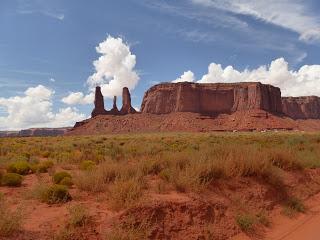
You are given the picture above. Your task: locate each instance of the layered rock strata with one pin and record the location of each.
(301, 107)
(210, 98)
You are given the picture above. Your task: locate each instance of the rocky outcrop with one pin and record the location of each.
(114, 110)
(210, 98)
(302, 107)
(126, 102)
(98, 104)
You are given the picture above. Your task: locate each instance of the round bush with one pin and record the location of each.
(20, 167)
(67, 181)
(43, 167)
(87, 165)
(59, 176)
(56, 194)
(11, 180)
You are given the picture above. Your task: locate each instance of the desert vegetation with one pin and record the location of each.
(10, 220)
(243, 175)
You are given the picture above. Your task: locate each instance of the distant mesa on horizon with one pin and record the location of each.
(204, 107)
(36, 132)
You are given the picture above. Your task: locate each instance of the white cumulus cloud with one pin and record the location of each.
(78, 98)
(114, 70)
(34, 109)
(185, 77)
(303, 82)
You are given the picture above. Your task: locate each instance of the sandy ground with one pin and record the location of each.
(174, 215)
(302, 227)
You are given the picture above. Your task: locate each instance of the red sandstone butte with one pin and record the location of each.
(209, 98)
(98, 104)
(126, 102)
(301, 107)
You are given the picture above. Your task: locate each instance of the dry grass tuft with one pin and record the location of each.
(10, 221)
(79, 216)
(125, 193)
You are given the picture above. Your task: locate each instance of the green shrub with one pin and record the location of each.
(87, 165)
(67, 181)
(12, 180)
(245, 222)
(293, 206)
(59, 176)
(44, 166)
(263, 219)
(296, 204)
(56, 194)
(20, 167)
(34, 168)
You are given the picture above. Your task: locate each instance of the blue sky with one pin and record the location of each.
(53, 44)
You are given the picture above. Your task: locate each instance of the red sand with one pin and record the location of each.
(303, 227)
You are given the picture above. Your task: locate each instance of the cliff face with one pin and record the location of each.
(302, 107)
(98, 103)
(211, 98)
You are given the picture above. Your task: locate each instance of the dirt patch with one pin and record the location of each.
(194, 219)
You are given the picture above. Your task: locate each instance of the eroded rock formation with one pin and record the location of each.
(114, 110)
(208, 107)
(126, 102)
(99, 104)
(211, 98)
(302, 107)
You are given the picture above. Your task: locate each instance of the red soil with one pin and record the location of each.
(170, 215)
(255, 120)
(304, 226)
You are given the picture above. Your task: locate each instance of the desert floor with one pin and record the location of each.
(161, 186)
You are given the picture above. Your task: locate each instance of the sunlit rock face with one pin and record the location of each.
(302, 107)
(209, 98)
